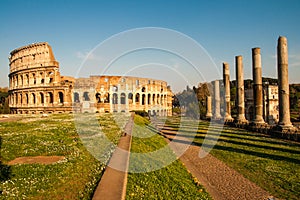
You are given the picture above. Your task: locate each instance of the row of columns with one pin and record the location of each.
(283, 87)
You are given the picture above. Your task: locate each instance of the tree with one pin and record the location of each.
(4, 106)
(187, 100)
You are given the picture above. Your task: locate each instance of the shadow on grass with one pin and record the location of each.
(236, 136)
(254, 153)
(241, 133)
(5, 170)
(235, 149)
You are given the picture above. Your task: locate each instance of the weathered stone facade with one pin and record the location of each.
(270, 104)
(122, 94)
(36, 86)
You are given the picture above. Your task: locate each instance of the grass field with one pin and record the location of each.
(170, 182)
(74, 177)
(271, 163)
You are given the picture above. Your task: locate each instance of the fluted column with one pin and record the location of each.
(283, 82)
(257, 86)
(240, 90)
(226, 80)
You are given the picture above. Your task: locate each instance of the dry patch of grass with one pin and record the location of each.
(36, 159)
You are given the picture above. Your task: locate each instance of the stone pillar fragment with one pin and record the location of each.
(226, 80)
(240, 90)
(257, 86)
(283, 83)
(208, 107)
(217, 114)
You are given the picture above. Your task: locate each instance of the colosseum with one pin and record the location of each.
(36, 86)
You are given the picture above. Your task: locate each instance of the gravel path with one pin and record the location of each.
(220, 181)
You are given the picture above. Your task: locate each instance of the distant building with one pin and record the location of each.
(249, 103)
(36, 86)
(270, 104)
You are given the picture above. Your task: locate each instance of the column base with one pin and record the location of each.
(260, 127)
(259, 121)
(258, 124)
(217, 120)
(228, 119)
(286, 128)
(208, 116)
(289, 132)
(241, 121)
(217, 117)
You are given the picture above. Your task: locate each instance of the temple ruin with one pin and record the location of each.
(262, 107)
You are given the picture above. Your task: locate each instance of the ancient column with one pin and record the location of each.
(217, 114)
(283, 82)
(257, 86)
(240, 90)
(208, 107)
(226, 80)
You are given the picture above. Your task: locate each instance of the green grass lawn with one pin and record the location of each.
(74, 177)
(170, 182)
(271, 163)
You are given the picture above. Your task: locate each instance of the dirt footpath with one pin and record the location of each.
(113, 183)
(220, 181)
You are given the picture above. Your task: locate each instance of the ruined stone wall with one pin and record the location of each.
(35, 84)
(249, 104)
(122, 94)
(271, 103)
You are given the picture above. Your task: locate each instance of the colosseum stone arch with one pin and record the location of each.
(36, 86)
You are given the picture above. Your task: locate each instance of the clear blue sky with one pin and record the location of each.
(224, 29)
